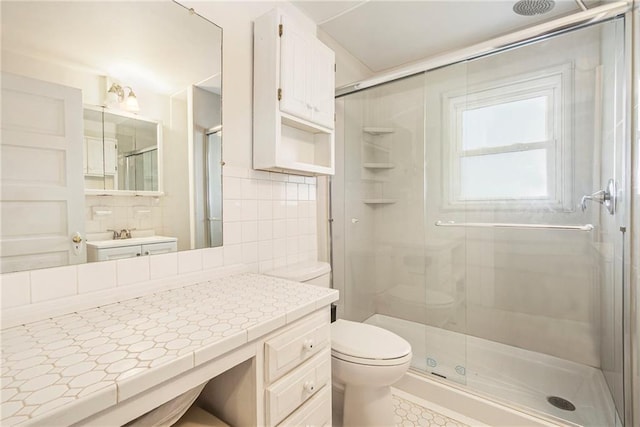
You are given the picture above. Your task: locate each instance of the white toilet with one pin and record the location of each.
(366, 359)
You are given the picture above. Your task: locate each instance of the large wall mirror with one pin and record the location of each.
(111, 131)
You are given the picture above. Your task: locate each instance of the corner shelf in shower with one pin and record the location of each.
(379, 201)
(377, 130)
(372, 165)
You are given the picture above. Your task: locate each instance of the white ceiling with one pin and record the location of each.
(384, 34)
(140, 44)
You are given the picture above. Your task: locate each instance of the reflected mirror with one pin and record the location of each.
(121, 151)
(111, 131)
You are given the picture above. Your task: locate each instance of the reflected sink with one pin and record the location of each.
(101, 244)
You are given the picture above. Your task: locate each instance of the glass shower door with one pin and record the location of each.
(539, 128)
(390, 271)
(445, 248)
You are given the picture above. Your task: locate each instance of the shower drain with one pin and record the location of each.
(561, 403)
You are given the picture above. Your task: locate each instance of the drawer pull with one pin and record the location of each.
(308, 344)
(310, 386)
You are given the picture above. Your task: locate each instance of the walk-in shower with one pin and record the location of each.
(457, 220)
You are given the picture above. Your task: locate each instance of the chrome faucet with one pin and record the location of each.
(116, 234)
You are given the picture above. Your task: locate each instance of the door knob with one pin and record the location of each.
(77, 240)
(606, 197)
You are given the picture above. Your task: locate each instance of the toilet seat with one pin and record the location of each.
(367, 344)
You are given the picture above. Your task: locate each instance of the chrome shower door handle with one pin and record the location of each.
(606, 197)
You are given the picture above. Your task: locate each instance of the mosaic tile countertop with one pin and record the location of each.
(84, 362)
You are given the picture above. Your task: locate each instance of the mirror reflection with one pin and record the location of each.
(111, 145)
(120, 151)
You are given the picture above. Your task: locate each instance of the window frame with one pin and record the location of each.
(554, 83)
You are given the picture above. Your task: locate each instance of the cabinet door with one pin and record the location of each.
(159, 248)
(295, 65)
(110, 156)
(322, 85)
(95, 156)
(118, 253)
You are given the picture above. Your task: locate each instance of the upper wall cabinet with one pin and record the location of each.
(294, 85)
(307, 76)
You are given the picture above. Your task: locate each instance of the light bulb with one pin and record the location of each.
(131, 104)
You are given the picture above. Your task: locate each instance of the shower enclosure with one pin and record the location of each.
(474, 216)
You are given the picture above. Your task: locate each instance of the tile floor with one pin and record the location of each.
(410, 414)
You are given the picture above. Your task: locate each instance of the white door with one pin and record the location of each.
(42, 199)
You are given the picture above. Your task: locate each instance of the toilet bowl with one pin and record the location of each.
(365, 359)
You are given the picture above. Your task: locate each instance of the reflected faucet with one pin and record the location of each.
(125, 233)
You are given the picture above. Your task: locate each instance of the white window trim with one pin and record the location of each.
(553, 82)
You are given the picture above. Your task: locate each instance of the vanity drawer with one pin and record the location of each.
(289, 349)
(316, 412)
(284, 396)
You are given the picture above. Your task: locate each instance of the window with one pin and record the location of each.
(508, 143)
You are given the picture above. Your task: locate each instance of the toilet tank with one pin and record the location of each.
(311, 272)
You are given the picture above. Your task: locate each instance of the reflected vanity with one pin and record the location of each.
(136, 122)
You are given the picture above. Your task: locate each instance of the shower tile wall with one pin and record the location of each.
(378, 238)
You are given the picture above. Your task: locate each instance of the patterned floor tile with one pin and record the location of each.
(409, 414)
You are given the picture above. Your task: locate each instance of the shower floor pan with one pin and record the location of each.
(518, 378)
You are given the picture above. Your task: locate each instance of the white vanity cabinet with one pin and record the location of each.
(298, 374)
(292, 379)
(130, 248)
(294, 86)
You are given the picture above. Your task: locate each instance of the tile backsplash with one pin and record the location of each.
(269, 218)
(269, 221)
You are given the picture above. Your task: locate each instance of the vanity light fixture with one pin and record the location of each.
(116, 94)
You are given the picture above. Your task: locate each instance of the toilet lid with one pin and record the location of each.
(363, 341)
